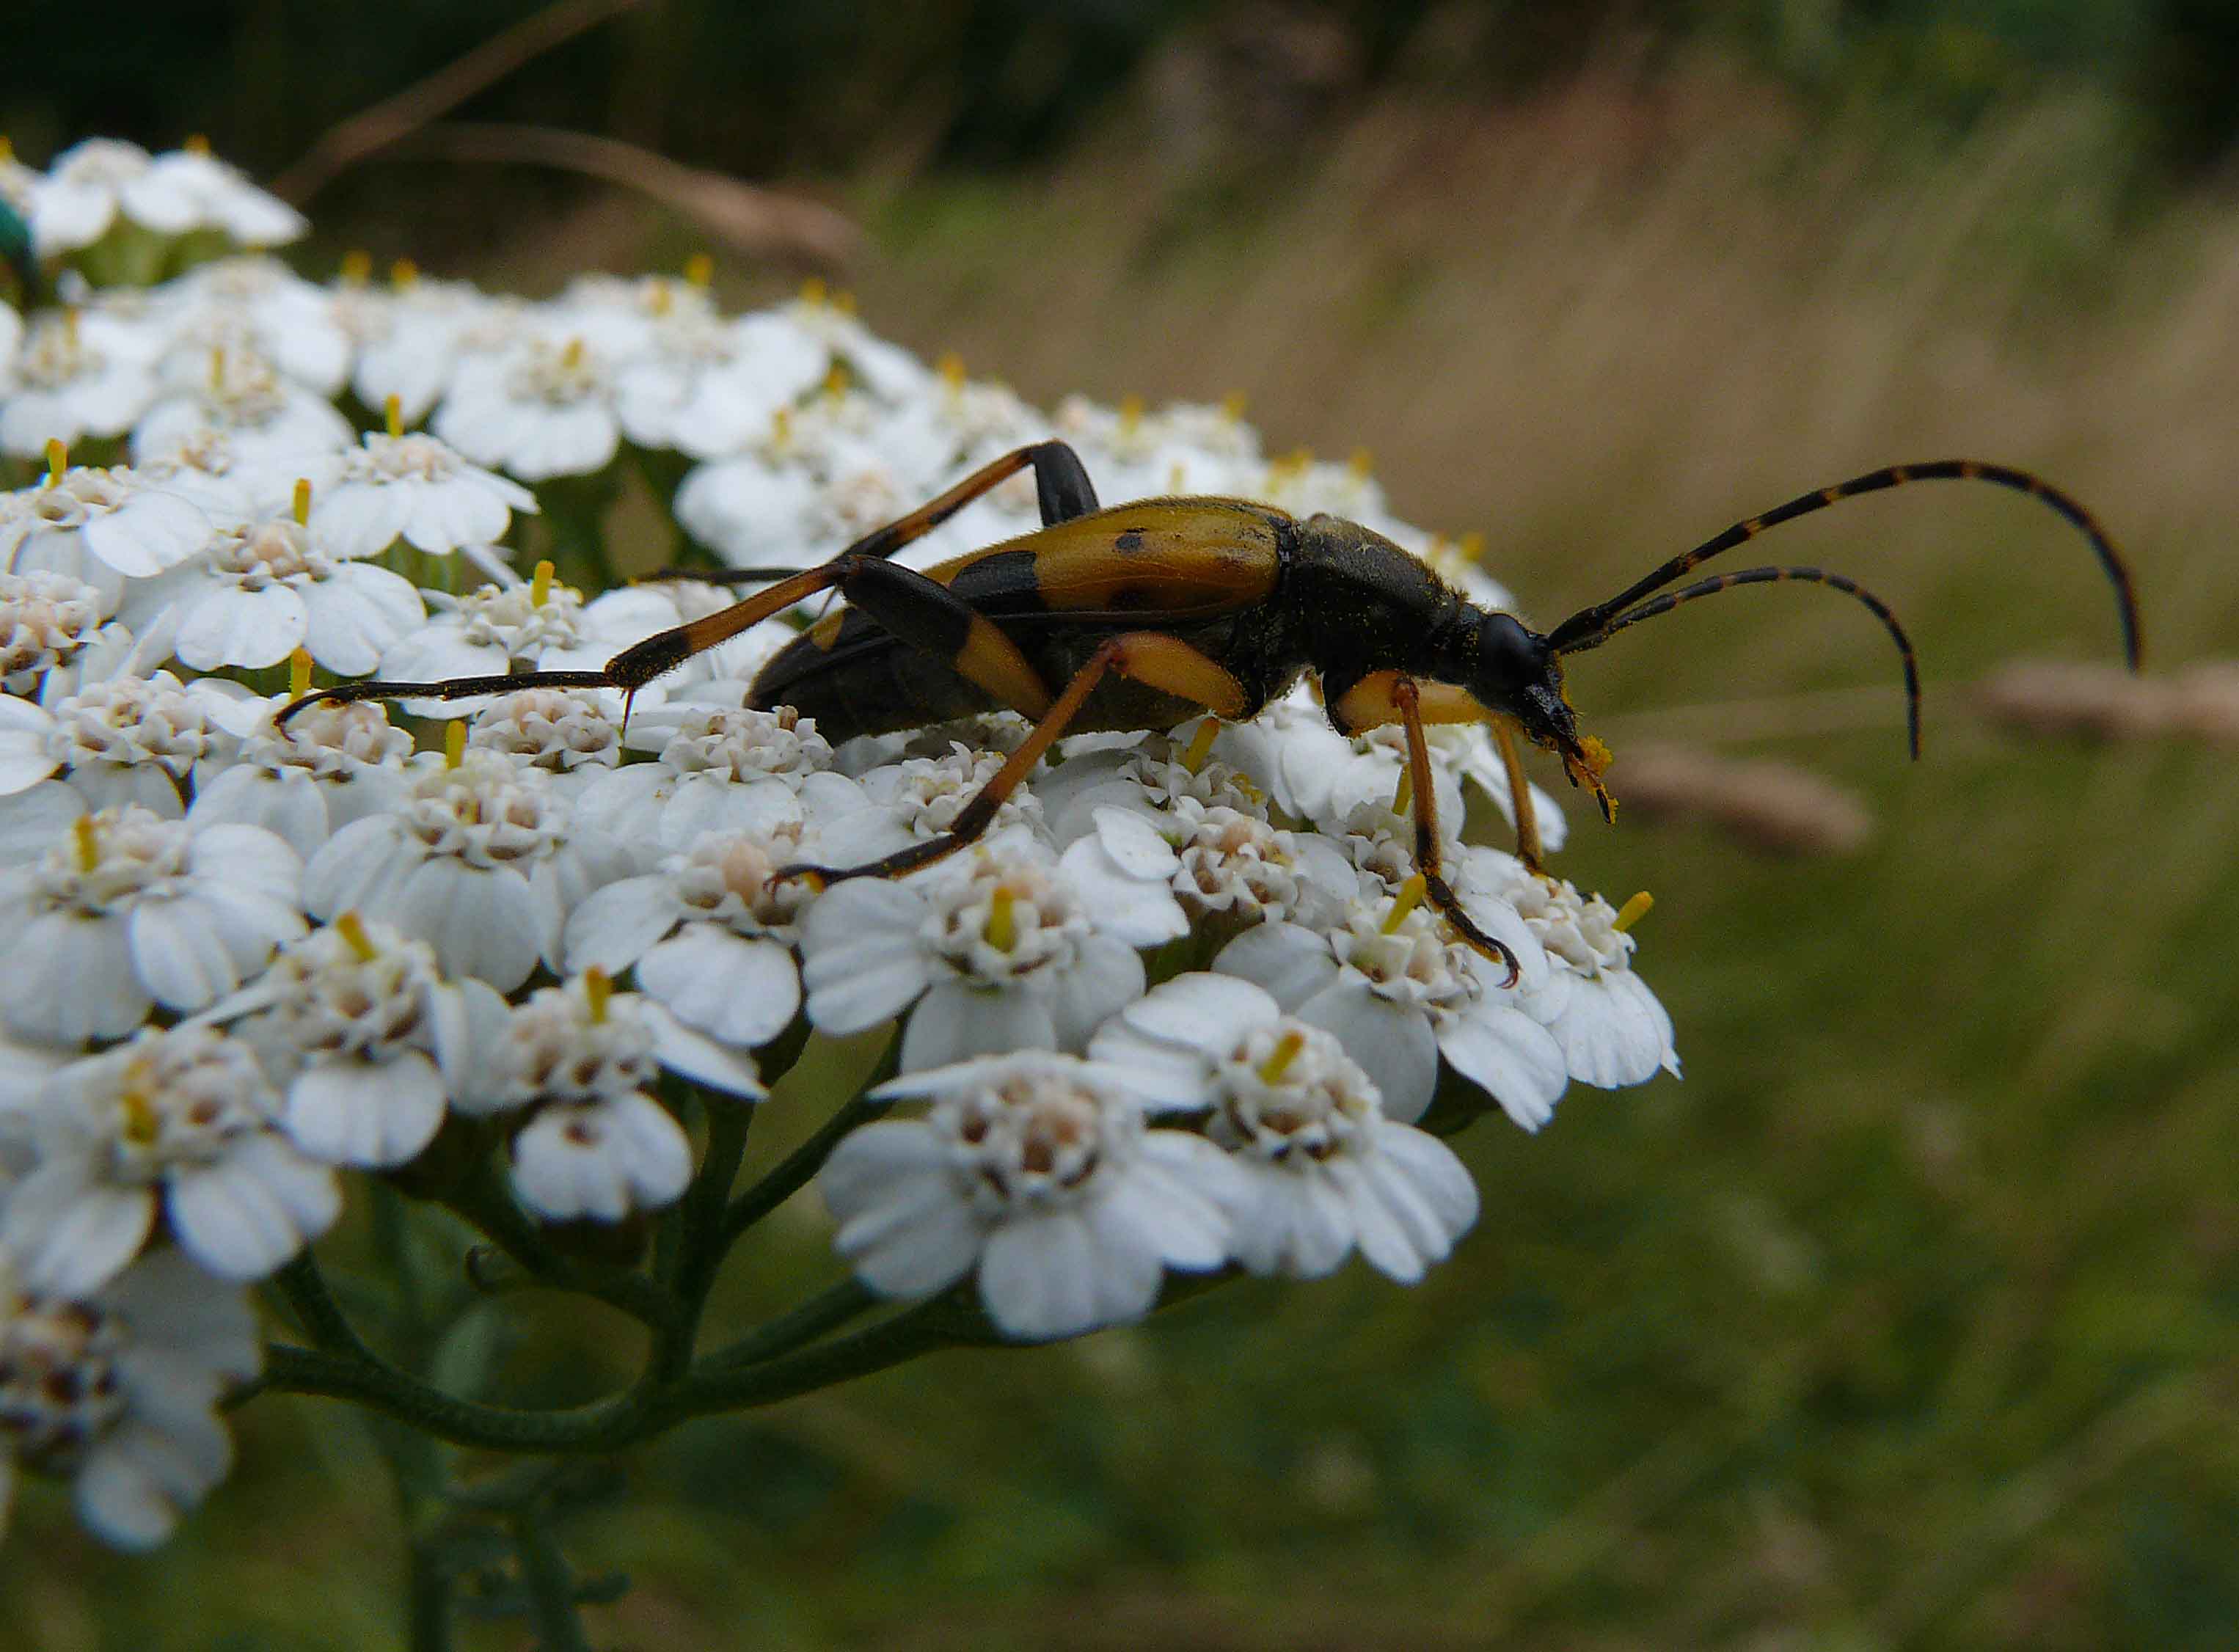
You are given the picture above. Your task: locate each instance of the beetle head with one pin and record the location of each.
(1515, 673)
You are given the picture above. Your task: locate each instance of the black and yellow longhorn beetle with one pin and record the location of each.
(1146, 614)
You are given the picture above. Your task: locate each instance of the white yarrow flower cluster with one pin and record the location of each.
(1180, 1009)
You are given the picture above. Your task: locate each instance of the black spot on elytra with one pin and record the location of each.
(1129, 542)
(1002, 582)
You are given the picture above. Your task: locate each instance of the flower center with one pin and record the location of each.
(110, 860)
(1006, 924)
(1032, 1141)
(267, 553)
(486, 811)
(1290, 1089)
(59, 1387)
(183, 1103)
(130, 720)
(746, 745)
(514, 618)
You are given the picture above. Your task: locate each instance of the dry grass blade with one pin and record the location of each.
(398, 118)
(1775, 808)
(758, 221)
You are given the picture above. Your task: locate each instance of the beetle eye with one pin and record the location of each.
(1509, 654)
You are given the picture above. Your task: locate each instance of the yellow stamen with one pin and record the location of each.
(813, 292)
(57, 459)
(1472, 547)
(87, 836)
(455, 744)
(1633, 910)
(1361, 464)
(392, 414)
(1176, 477)
(662, 300)
(1411, 896)
(781, 430)
(844, 301)
(217, 369)
(351, 928)
(1131, 414)
(835, 380)
(303, 501)
(299, 674)
(196, 143)
(1200, 745)
(571, 357)
(1403, 795)
(140, 1124)
(70, 325)
(951, 368)
(357, 266)
(539, 585)
(7, 150)
(1233, 406)
(598, 987)
(1279, 1059)
(402, 274)
(1002, 930)
(699, 269)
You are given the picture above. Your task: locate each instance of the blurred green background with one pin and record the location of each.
(1911, 1318)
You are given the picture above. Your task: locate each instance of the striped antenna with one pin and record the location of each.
(1847, 585)
(1589, 627)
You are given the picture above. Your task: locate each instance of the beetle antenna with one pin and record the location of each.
(1847, 585)
(1596, 622)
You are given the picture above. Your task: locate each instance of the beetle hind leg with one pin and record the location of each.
(1150, 657)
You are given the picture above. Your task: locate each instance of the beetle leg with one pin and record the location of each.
(1151, 657)
(629, 671)
(1061, 486)
(1528, 848)
(1407, 698)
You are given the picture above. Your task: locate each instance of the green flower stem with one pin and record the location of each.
(700, 1241)
(487, 1204)
(314, 1305)
(545, 1579)
(428, 1601)
(791, 1176)
(646, 1410)
(816, 1318)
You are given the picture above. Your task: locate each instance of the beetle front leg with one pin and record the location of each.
(1406, 700)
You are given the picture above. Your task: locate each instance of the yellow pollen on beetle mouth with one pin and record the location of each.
(455, 744)
(598, 989)
(58, 460)
(303, 501)
(87, 837)
(1633, 910)
(1279, 1059)
(299, 674)
(1411, 896)
(351, 928)
(700, 270)
(1002, 930)
(1598, 756)
(1200, 745)
(539, 585)
(392, 414)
